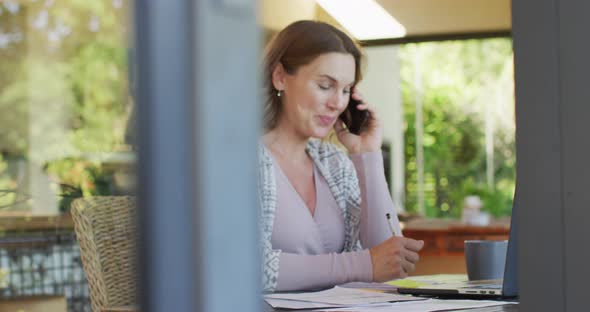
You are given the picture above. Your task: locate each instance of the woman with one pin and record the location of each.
(322, 214)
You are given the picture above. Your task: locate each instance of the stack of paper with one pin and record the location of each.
(335, 297)
(369, 298)
(383, 287)
(429, 305)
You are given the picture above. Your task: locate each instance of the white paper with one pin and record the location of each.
(372, 286)
(343, 296)
(297, 305)
(422, 306)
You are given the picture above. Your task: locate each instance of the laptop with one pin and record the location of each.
(459, 286)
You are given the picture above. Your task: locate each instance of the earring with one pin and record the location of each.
(279, 93)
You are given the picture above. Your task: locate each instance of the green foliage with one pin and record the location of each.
(462, 84)
(78, 178)
(6, 184)
(63, 88)
(498, 201)
(99, 84)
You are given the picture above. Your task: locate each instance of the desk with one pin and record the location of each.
(37, 303)
(18, 221)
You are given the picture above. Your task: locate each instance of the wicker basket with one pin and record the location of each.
(106, 229)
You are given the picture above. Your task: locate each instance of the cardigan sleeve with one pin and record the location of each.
(352, 215)
(267, 197)
(270, 269)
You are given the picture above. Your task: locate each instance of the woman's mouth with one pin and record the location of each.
(326, 121)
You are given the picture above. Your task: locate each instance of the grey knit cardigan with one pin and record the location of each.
(339, 173)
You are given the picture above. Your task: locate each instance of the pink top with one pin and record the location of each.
(312, 246)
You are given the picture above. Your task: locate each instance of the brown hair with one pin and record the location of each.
(298, 45)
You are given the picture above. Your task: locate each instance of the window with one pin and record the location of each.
(64, 109)
(458, 103)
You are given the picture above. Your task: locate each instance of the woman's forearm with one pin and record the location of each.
(375, 199)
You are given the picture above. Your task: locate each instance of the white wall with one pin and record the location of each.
(381, 88)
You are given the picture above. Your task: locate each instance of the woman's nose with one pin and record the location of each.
(338, 101)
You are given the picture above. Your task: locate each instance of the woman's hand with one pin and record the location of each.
(367, 141)
(395, 258)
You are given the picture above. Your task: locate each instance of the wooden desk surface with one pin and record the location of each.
(447, 237)
(35, 303)
(19, 221)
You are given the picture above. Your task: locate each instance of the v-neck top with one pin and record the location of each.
(312, 245)
(296, 229)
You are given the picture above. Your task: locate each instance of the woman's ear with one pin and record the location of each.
(279, 77)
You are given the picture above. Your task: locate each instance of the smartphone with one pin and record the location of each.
(356, 120)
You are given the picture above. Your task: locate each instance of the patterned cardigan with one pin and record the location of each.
(339, 173)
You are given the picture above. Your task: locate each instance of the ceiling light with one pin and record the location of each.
(364, 19)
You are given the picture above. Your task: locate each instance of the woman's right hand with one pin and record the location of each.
(395, 258)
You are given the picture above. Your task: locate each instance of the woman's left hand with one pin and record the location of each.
(367, 141)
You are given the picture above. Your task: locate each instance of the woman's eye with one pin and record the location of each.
(346, 91)
(324, 87)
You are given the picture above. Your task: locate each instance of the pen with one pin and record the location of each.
(391, 225)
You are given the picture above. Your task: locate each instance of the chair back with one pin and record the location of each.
(106, 229)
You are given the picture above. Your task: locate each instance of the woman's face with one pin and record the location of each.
(316, 94)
